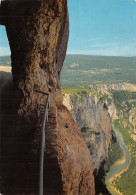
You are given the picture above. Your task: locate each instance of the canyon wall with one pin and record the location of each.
(38, 34)
(132, 120)
(94, 122)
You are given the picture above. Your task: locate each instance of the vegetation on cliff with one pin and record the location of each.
(80, 92)
(124, 100)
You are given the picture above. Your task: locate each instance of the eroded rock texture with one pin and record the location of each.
(38, 43)
(95, 124)
(38, 35)
(94, 121)
(72, 156)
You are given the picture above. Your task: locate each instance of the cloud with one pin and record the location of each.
(133, 0)
(104, 45)
(124, 50)
(5, 51)
(94, 39)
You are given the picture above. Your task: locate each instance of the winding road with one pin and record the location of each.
(118, 167)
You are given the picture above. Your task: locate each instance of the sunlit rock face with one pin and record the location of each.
(132, 120)
(38, 34)
(95, 124)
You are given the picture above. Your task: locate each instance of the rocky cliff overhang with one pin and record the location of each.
(38, 34)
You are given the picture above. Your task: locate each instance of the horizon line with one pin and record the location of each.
(85, 55)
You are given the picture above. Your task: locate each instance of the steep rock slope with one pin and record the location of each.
(95, 124)
(112, 111)
(38, 35)
(132, 120)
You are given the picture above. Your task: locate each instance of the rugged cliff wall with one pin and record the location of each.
(132, 117)
(38, 35)
(95, 124)
(132, 120)
(112, 111)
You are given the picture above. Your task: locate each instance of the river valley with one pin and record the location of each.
(119, 166)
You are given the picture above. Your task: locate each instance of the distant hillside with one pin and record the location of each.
(79, 71)
(5, 61)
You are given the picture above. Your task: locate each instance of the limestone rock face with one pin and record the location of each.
(132, 120)
(112, 111)
(38, 34)
(95, 124)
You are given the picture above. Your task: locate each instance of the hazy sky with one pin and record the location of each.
(97, 27)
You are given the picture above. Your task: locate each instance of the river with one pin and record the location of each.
(118, 166)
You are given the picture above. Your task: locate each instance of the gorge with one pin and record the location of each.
(80, 143)
(119, 166)
(89, 108)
